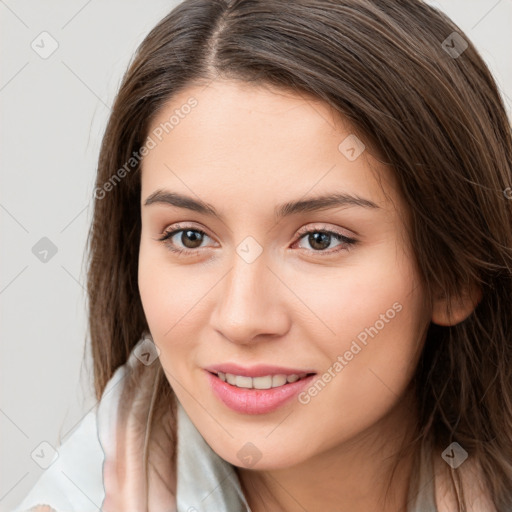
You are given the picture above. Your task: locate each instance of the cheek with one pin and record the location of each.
(163, 305)
(154, 290)
(387, 318)
(369, 378)
(377, 315)
(161, 295)
(366, 291)
(379, 339)
(174, 302)
(168, 291)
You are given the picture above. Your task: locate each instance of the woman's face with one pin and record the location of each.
(281, 283)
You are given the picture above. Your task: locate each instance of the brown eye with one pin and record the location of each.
(319, 240)
(191, 238)
(183, 240)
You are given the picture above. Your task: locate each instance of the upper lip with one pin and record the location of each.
(259, 370)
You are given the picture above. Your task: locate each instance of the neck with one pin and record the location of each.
(364, 473)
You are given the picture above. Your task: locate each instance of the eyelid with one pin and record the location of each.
(323, 227)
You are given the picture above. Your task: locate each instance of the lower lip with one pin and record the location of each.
(256, 401)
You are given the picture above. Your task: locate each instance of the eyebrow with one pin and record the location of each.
(312, 204)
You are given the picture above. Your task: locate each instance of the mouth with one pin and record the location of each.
(259, 394)
(262, 382)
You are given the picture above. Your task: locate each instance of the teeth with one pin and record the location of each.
(243, 382)
(265, 382)
(262, 382)
(278, 380)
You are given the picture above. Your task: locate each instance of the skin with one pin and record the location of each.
(244, 149)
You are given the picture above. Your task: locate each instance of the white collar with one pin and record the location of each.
(205, 482)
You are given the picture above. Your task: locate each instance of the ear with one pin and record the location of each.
(448, 311)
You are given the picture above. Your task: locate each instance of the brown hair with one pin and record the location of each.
(437, 119)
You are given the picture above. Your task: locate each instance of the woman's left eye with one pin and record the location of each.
(319, 239)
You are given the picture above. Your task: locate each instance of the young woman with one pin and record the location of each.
(300, 267)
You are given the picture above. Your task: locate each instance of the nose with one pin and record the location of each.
(250, 306)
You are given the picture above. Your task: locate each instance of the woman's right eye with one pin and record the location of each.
(189, 235)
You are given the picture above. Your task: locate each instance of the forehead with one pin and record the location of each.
(234, 139)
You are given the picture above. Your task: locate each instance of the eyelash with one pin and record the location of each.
(346, 245)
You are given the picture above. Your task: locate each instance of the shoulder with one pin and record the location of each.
(99, 464)
(123, 420)
(475, 492)
(74, 480)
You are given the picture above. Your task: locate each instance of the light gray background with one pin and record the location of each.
(54, 111)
